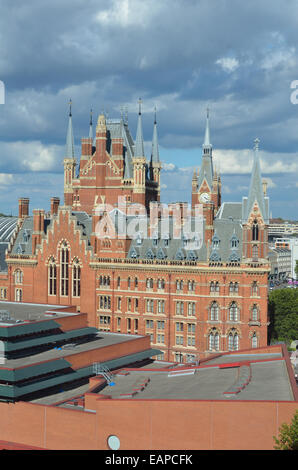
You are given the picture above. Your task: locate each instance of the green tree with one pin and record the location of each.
(288, 435)
(283, 310)
(296, 269)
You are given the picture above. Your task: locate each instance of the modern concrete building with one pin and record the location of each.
(232, 401)
(281, 263)
(292, 245)
(46, 349)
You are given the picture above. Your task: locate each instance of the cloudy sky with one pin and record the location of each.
(182, 56)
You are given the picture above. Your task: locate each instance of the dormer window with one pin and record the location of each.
(166, 239)
(155, 239)
(234, 242)
(215, 242)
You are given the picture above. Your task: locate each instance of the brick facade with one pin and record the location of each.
(188, 307)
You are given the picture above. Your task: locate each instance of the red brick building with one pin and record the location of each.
(202, 291)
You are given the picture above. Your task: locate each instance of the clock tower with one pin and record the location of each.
(206, 186)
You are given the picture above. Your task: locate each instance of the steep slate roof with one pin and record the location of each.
(172, 249)
(230, 209)
(228, 226)
(23, 242)
(118, 129)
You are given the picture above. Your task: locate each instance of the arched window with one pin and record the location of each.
(214, 286)
(18, 276)
(255, 231)
(76, 278)
(255, 313)
(214, 311)
(255, 288)
(213, 340)
(233, 312)
(233, 341)
(52, 277)
(18, 295)
(254, 340)
(234, 287)
(64, 263)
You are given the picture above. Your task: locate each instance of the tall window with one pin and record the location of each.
(213, 340)
(233, 341)
(255, 288)
(254, 340)
(18, 276)
(64, 260)
(254, 313)
(52, 273)
(214, 310)
(255, 231)
(76, 278)
(18, 295)
(233, 312)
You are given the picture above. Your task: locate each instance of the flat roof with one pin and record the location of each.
(101, 340)
(269, 380)
(21, 312)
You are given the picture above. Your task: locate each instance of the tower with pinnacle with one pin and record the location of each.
(255, 215)
(111, 166)
(69, 162)
(206, 184)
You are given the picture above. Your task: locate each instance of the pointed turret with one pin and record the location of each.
(207, 144)
(69, 163)
(91, 126)
(256, 194)
(155, 151)
(69, 151)
(207, 164)
(139, 146)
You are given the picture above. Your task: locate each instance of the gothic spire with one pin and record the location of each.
(207, 143)
(69, 152)
(256, 189)
(91, 127)
(139, 147)
(207, 164)
(155, 151)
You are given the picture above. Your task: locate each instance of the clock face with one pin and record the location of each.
(205, 197)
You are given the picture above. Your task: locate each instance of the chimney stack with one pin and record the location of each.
(55, 201)
(23, 207)
(38, 227)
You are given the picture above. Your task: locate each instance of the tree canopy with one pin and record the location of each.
(283, 315)
(288, 435)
